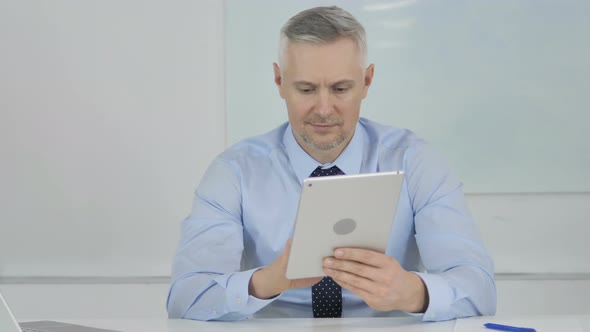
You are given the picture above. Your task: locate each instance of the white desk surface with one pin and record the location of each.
(574, 323)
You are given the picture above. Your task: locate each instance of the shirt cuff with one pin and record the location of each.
(440, 297)
(238, 299)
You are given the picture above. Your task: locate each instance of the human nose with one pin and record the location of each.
(324, 103)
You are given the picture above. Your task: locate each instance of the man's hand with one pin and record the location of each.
(378, 279)
(271, 281)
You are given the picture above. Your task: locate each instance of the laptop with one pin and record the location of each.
(9, 324)
(342, 211)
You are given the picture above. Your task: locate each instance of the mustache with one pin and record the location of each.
(318, 120)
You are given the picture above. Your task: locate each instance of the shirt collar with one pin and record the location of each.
(303, 164)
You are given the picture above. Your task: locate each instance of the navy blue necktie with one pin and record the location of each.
(326, 295)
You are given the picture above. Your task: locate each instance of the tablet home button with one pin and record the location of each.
(344, 226)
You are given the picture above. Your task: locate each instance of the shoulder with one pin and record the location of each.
(427, 172)
(244, 158)
(387, 138)
(400, 148)
(256, 149)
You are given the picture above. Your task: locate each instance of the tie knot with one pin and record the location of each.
(319, 171)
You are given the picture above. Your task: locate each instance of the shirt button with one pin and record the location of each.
(214, 312)
(239, 301)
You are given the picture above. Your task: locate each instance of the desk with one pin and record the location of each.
(578, 323)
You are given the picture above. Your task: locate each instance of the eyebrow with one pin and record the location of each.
(350, 82)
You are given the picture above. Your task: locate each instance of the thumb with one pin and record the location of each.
(288, 246)
(286, 251)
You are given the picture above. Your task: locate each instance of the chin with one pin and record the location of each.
(323, 143)
(326, 146)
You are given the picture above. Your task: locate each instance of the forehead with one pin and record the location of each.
(336, 60)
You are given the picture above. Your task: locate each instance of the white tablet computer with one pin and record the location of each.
(342, 211)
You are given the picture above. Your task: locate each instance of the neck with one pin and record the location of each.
(324, 158)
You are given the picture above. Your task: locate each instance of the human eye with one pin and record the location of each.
(305, 90)
(341, 89)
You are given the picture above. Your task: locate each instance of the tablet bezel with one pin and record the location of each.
(370, 199)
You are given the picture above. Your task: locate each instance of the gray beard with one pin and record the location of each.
(322, 147)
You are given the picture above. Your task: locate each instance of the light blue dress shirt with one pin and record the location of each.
(244, 212)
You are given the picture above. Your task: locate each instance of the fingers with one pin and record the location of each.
(368, 264)
(366, 270)
(363, 294)
(351, 279)
(365, 256)
(352, 267)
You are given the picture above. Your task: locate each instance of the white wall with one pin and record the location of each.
(110, 113)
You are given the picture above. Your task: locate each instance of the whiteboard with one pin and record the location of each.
(501, 88)
(110, 111)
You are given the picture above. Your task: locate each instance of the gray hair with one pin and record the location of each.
(322, 25)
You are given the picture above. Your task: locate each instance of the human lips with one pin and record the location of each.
(323, 125)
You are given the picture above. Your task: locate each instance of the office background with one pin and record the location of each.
(111, 111)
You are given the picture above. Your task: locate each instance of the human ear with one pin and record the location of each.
(278, 78)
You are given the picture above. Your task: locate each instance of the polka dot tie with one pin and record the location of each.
(326, 295)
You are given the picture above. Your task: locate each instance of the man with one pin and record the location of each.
(234, 246)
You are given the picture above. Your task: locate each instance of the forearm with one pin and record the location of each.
(270, 281)
(417, 296)
(261, 288)
(213, 297)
